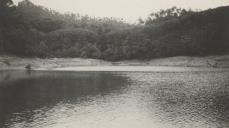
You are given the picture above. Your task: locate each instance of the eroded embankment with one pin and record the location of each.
(12, 62)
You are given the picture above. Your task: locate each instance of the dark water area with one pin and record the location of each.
(63, 99)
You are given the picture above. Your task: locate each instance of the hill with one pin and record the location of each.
(28, 30)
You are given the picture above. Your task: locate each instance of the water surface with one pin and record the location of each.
(63, 99)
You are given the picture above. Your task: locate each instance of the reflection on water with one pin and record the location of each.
(114, 99)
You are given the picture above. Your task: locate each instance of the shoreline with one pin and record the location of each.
(76, 64)
(135, 69)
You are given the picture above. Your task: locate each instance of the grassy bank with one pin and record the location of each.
(12, 62)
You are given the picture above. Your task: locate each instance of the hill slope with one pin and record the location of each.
(34, 31)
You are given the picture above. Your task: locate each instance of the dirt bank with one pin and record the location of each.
(12, 62)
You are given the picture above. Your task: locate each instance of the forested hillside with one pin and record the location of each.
(29, 30)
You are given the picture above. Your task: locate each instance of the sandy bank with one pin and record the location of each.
(12, 62)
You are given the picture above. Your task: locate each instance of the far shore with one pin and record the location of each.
(17, 63)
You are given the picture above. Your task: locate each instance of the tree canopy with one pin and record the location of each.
(35, 31)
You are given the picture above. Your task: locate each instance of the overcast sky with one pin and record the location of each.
(129, 10)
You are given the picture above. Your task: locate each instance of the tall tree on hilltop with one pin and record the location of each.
(5, 10)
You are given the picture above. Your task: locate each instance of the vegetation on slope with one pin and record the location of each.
(34, 31)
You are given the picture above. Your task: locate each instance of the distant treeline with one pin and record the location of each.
(29, 30)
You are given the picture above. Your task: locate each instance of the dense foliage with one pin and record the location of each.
(35, 31)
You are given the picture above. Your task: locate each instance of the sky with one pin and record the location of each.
(129, 10)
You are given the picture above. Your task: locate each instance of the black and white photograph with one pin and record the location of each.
(114, 63)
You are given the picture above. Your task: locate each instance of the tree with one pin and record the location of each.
(5, 14)
(6, 3)
(5, 10)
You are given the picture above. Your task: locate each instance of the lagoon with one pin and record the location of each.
(168, 98)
